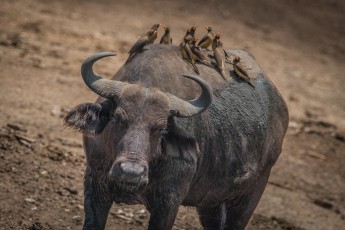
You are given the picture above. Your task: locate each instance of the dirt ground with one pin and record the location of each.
(300, 44)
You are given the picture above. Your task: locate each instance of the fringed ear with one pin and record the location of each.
(89, 118)
(179, 144)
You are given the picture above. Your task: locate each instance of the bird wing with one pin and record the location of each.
(138, 45)
(182, 50)
(190, 57)
(218, 56)
(198, 54)
(204, 39)
(241, 71)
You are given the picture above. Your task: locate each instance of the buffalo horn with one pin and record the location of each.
(182, 108)
(103, 87)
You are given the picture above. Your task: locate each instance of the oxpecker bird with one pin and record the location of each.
(215, 40)
(154, 28)
(166, 39)
(206, 41)
(219, 57)
(142, 41)
(241, 71)
(186, 54)
(190, 33)
(197, 54)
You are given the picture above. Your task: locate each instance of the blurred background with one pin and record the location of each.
(300, 44)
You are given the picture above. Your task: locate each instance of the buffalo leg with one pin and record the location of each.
(241, 209)
(212, 217)
(96, 206)
(169, 192)
(164, 213)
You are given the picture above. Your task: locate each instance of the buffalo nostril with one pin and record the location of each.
(132, 169)
(115, 171)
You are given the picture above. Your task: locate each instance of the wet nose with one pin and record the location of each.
(128, 172)
(132, 170)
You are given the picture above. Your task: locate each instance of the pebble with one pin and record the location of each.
(29, 200)
(56, 111)
(76, 218)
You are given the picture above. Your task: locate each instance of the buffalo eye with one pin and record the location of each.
(161, 131)
(119, 117)
(160, 127)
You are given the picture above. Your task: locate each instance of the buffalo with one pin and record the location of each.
(162, 137)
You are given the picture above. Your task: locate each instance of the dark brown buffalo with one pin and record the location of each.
(148, 140)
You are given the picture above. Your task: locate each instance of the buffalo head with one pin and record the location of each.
(132, 120)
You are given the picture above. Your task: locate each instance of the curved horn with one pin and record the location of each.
(103, 87)
(182, 108)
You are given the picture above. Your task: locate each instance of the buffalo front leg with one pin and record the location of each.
(170, 185)
(96, 205)
(212, 217)
(164, 211)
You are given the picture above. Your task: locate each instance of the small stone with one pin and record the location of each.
(34, 208)
(29, 200)
(141, 211)
(56, 111)
(76, 218)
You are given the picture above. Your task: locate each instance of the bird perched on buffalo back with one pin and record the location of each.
(190, 34)
(215, 40)
(219, 57)
(154, 28)
(206, 41)
(241, 71)
(166, 39)
(186, 53)
(142, 41)
(197, 54)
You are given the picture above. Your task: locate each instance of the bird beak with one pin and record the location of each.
(160, 25)
(206, 27)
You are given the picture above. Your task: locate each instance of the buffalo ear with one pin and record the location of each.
(89, 118)
(178, 144)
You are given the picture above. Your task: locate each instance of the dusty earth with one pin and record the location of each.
(300, 44)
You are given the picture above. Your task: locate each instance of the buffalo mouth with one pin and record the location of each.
(130, 186)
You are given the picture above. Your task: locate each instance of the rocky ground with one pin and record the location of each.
(300, 45)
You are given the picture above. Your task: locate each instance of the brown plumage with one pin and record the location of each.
(241, 71)
(219, 57)
(186, 54)
(215, 41)
(154, 28)
(190, 34)
(206, 41)
(197, 54)
(141, 42)
(166, 39)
